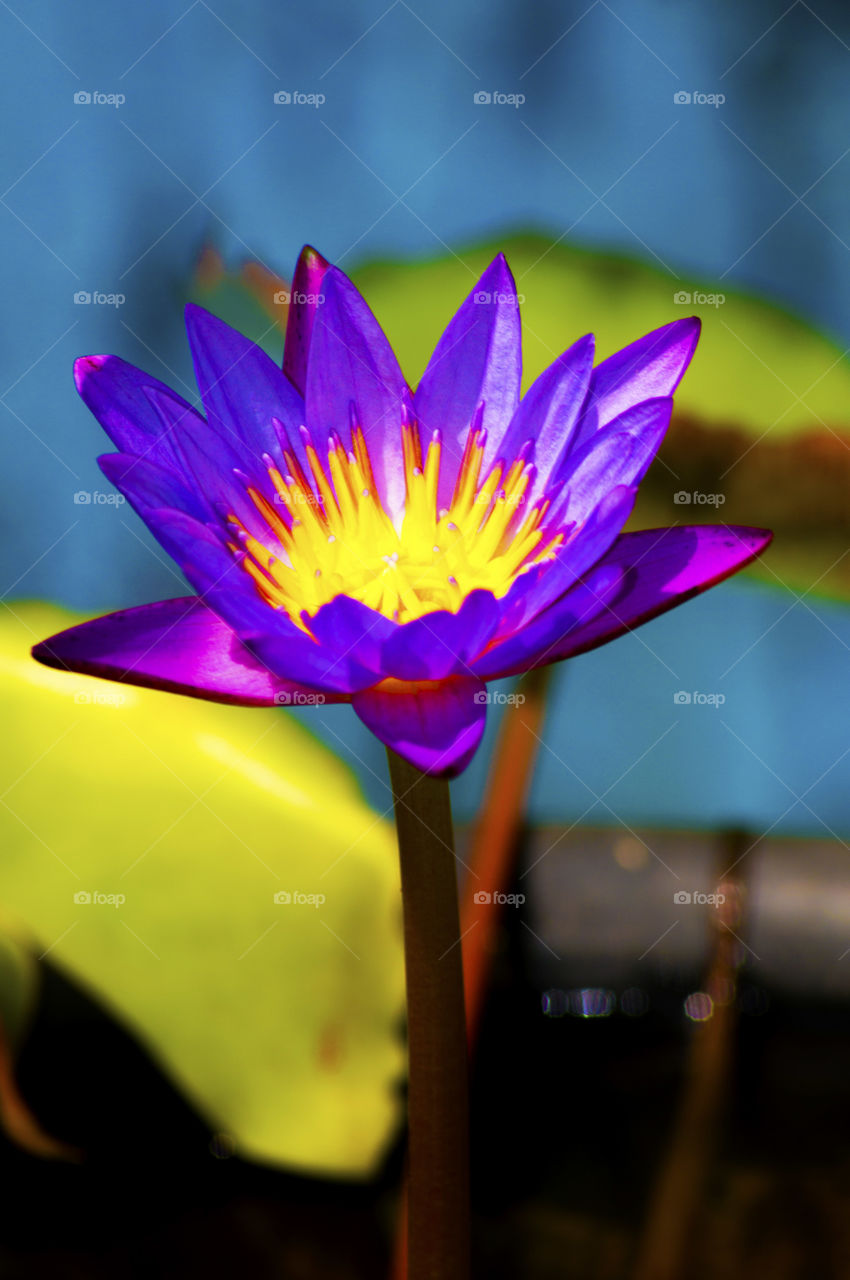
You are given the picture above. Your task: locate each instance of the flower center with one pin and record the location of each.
(332, 535)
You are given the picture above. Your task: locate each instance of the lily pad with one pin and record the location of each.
(214, 877)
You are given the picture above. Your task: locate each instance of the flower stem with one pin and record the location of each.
(438, 1126)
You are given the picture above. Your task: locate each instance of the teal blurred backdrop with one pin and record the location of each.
(394, 154)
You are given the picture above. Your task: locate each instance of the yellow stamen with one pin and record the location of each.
(330, 535)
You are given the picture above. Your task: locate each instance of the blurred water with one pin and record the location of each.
(399, 159)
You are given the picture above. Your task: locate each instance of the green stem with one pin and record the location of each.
(438, 1126)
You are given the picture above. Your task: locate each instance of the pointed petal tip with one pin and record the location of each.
(312, 258)
(43, 653)
(193, 313)
(756, 539)
(85, 366)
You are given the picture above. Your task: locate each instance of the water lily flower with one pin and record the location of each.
(352, 541)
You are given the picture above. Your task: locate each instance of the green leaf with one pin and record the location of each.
(181, 820)
(757, 365)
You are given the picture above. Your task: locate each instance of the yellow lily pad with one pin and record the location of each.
(214, 877)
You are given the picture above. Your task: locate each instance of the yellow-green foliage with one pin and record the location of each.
(282, 1023)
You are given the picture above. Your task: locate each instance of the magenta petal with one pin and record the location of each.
(180, 646)
(477, 360)
(116, 393)
(352, 370)
(436, 727)
(441, 644)
(651, 367)
(663, 568)
(242, 388)
(304, 299)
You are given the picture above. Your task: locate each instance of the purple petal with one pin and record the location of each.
(352, 628)
(241, 387)
(538, 587)
(549, 411)
(180, 646)
(662, 568)
(208, 458)
(352, 363)
(441, 644)
(531, 645)
(303, 302)
(116, 393)
(436, 727)
(619, 454)
(651, 367)
(477, 360)
(145, 485)
(268, 632)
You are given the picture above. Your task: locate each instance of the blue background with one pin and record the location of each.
(400, 160)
